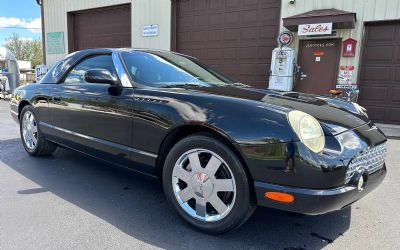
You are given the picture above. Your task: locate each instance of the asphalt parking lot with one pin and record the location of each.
(69, 201)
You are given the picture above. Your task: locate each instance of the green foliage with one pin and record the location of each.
(27, 50)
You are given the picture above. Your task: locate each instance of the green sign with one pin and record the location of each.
(55, 43)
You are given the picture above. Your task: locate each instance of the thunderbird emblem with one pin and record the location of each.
(201, 177)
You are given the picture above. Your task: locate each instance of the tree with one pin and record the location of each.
(24, 49)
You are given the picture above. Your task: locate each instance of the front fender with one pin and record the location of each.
(36, 95)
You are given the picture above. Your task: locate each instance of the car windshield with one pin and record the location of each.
(165, 69)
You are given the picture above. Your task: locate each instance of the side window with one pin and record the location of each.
(76, 75)
(57, 69)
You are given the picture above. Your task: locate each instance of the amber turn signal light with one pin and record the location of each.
(277, 196)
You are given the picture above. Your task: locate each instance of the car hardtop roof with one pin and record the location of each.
(110, 50)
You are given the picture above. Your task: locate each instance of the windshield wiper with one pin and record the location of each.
(239, 84)
(182, 85)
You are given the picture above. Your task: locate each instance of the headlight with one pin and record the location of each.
(308, 130)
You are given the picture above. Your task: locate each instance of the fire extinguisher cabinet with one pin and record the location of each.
(349, 48)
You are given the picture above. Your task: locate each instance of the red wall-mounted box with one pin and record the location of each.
(349, 48)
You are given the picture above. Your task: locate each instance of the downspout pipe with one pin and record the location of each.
(40, 3)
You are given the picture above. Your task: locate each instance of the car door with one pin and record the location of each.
(94, 118)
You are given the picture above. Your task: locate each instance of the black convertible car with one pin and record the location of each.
(219, 146)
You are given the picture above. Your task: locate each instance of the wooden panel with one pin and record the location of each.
(321, 74)
(236, 37)
(394, 115)
(380, 72)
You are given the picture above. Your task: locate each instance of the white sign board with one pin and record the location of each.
(24, 64)
(150, 30)
(315, 29)
(40, 71)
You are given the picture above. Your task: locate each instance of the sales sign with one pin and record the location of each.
(315, 29)
(150, 30)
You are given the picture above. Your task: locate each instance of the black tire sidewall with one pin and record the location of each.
(242, 205)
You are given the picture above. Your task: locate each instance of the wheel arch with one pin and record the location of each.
(178, 133)
(21, 105)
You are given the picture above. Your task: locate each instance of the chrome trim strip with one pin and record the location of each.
(109, 143)
(121, 71)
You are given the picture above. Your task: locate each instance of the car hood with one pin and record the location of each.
(335, 115)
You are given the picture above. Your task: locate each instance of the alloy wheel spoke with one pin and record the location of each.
(34, 140)
(201, 207)
(181, 174)
(218, 204)
(195, 162)
(223, 185)
(31, 118)
(26, 121)
(186, 194)
(34, 129)
(27, 135)
(213, 165)
(24, 133)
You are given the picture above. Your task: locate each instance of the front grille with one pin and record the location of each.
(372, 160)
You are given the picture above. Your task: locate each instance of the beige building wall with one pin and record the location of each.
(144, 12)
(366, 10)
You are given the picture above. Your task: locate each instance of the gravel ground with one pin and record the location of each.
(69, 201)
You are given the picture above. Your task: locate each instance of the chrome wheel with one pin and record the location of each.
(29, 130)
(204, 185)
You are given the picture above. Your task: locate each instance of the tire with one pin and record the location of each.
(31, 136)
(192, 190)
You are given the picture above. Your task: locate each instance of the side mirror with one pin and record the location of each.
(100, 76)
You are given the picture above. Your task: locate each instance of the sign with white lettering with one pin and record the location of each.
(150, 30)
(40, 71)
(315, 29)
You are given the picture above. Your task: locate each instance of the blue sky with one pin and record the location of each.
(22, 14)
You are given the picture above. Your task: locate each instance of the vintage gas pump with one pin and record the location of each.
(9, 72)
(283, 69)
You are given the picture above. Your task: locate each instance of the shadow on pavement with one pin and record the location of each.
(135, 204)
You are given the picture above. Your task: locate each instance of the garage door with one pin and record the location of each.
(102, 27)
(235, 36)
(380, 72)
